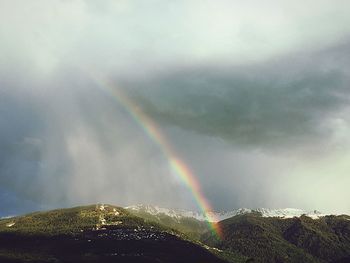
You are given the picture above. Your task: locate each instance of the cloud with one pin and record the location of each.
(278, 103)
(231, 84)
(130, 37)
(65, 141)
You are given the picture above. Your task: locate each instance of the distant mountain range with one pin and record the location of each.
(107, 233)
(219, 216)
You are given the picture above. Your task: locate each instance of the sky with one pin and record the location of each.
(252, 96)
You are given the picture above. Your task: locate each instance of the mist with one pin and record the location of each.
(254, 99)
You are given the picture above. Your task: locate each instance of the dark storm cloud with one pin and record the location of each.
(279, 102)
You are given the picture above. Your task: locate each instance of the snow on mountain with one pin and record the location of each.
(6, 217)
(289, 213)
(218, 216)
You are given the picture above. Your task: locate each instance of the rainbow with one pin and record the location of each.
(175, 163)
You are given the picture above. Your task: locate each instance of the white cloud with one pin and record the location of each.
(131, 35)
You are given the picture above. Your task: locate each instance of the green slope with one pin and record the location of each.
(192, 227)
(113, 234)
(94, 234)
(285, 240)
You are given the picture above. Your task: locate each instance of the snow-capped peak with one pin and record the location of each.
(218, 216)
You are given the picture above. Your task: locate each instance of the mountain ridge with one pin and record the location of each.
(222, 215)
(106, 233)
(95, 233)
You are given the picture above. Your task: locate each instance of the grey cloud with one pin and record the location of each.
(65, 141)
(220, 73)
(279, 102)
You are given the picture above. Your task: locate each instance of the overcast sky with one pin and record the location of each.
(253, 96)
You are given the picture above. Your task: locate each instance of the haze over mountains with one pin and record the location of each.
(219, 216)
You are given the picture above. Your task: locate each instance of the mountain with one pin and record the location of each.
(191, 223)
(95, 233)
(298, 239)
(263, 235)
(219, 216)
(106, 233)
